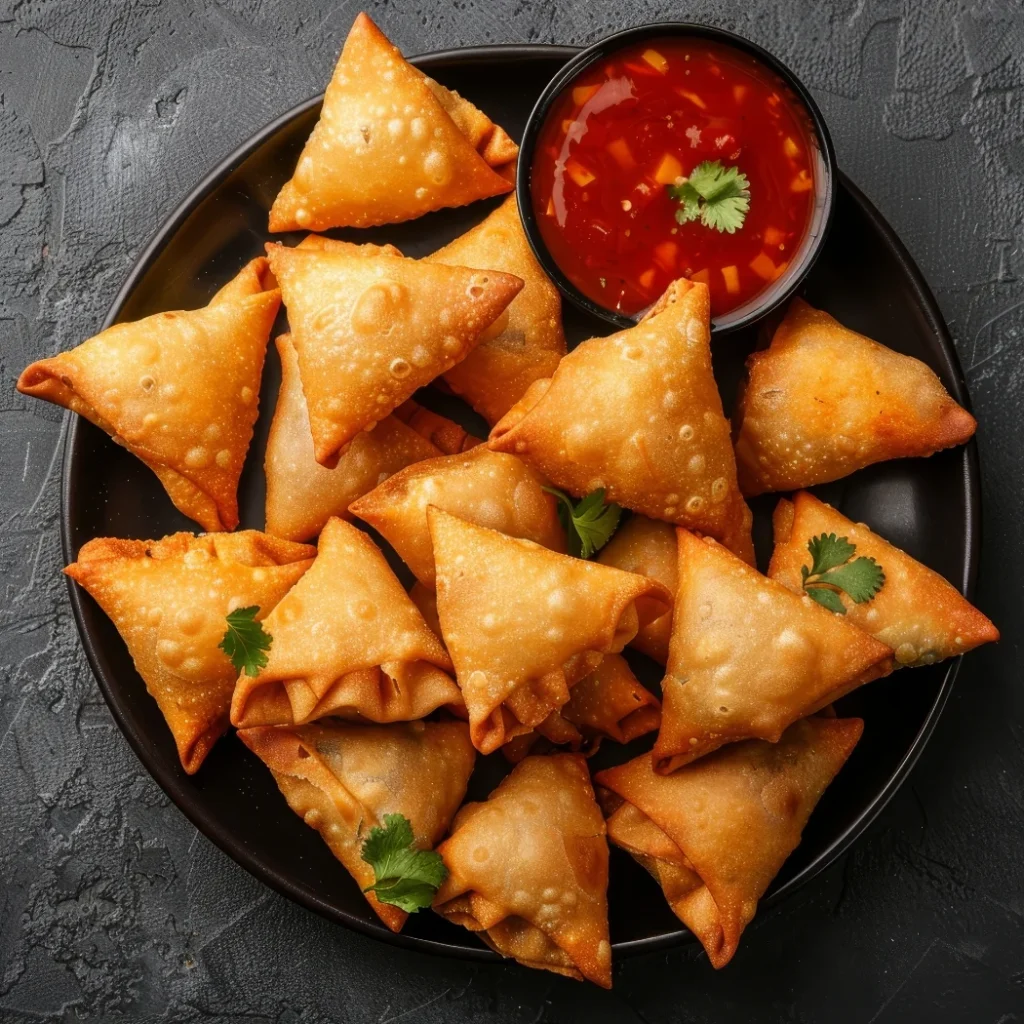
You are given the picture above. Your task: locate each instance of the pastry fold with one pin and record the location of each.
(610, 703)
(638, 414)
(348, 642)
(823, 401)
(921, 616)
(391, 144)
(179, 390)
(342, 779)
(370, 330)
(523, 623)
(716, 833)
(169, 600)
(749, 657)
(526, 342)
(301, 494)
(483, 487)
(647, 547)
(528, 870)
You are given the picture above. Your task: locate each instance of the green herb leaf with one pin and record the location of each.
(860, 579)
(829, 598)
(832, 572)
(407, 877)
(719, 195)
(246, 641)
(589, 523)
(828, 551)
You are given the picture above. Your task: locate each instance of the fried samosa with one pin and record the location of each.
(180, 390)
(610, 703)
(638, 413)
(391, 144)
(347, 642)
(823, 401)
(444, 434)
(917, 613)
(749, 657)
(526, 342)
(301, 494)
(528, 870)
(170, 599)
(483, 487)
(369, 331)
(647, 547)
(716, 833)
(523, 623)
(342, 779)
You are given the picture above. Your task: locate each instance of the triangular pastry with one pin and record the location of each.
(369, 331)
(180, 390)
(523, 623)
(528, 870)
(716, 833)
(348, 642)
(170, 599)
(342, 779)
(749, 657)
(526, 342)
(390, 145)
(921, 616)
(638, 413)
(823, 401)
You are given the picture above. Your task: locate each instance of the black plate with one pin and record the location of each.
(927, 506)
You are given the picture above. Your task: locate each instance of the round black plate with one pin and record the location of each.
(927, 506)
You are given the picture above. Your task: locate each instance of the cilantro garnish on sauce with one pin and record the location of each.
(589, 523)
(406, 876)
(246, 642)
(719, 196)
(832, 572)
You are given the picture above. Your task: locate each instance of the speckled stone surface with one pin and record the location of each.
(111, 905)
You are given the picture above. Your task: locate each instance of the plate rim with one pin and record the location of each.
(175, 787)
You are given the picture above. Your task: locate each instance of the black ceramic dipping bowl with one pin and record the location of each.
(823, 163)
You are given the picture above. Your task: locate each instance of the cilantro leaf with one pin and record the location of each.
(589, 523)
(688, 198)
(719, 195)
(246, 641)
(832, 572)
(829, 598)
(860, 579)
(406, 877)
(828, 551)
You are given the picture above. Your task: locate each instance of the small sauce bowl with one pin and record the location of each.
(630, 150)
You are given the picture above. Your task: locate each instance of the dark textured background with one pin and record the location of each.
(110, 903)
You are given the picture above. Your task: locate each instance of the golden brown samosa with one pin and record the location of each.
(301, 494)
(917, 613)
(610, 703)
(347, 642)
(716, 833)
(749, 657)
(170, 599)
(526, 342)
(483, 487)
(523, 623)
(638, 414)
(823, 401)
(180, 390)
(528, 870)
(370, 330)
(391, 144)
(648, 547)
(342, 779)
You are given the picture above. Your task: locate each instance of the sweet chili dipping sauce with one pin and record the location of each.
(643, 119)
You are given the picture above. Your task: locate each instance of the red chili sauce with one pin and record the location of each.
(642, 119)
